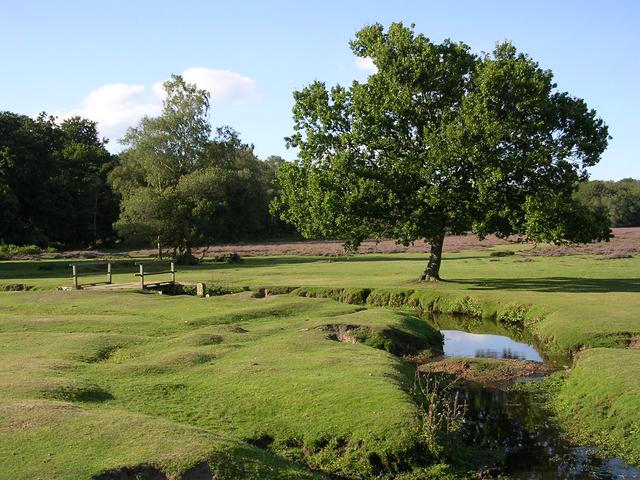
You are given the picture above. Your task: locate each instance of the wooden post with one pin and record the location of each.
(173, 273)
(141, 276)
(109, 274)
(74, 273)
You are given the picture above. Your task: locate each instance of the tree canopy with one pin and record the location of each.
(440, 140)
(181, 187)
(53, 186)
(620, 200)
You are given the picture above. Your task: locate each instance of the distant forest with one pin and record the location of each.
(60, 186)
(619, 200)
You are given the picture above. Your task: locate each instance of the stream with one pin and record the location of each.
(516, 423)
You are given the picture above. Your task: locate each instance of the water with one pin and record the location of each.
(515, 424)
(519, 428)
(476, 345)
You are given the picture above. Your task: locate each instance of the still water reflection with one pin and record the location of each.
(475, 345)
(519, 427)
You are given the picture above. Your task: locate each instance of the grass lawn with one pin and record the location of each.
(100, 380)
(94, 381)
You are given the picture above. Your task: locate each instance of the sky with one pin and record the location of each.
(107, 60)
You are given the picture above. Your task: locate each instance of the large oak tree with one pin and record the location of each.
(440, 140)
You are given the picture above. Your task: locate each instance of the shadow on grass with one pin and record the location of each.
(266, 261)
(88, 270)
(555, 284)
(39, 269)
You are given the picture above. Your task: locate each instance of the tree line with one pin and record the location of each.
(176, 185)
(53, 182)
(619, 201)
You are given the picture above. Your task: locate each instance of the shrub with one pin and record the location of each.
(502, 253)
(514, 315)
(16, 250)
(467, 306)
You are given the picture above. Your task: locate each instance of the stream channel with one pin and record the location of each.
(516, 422)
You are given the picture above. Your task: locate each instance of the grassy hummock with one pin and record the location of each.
(181, 380)
(250, 387)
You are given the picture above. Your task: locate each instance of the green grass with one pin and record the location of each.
(599, 401)
(104, 380)
(230, 370)
(577, 293)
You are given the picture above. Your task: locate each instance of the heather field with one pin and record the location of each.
(113, 384)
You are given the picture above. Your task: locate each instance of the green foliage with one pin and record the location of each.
(355, 296)
(214, 290)
(17, 250)
(441, 417)
(620, 201)
(514, 316)
(558, 221)
(440, 140)
(16, 287)
(467, 306)
(53, 186)
(180, 187)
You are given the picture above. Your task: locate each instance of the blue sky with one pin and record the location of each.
(105, 60)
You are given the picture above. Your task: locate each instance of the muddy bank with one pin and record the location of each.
(488, 372)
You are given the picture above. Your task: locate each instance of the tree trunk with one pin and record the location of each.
(159, 249)
(432, 272)
(95, 219)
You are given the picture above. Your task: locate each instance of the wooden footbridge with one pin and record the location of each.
(142, 282)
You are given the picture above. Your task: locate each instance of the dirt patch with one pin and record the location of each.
(341, 333)
(634, 342)
(487, 372)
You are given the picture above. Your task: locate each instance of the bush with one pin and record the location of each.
(16, 250)
(514, 315)
(468, 306)
(502, 253)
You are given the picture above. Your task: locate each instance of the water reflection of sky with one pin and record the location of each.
(476, 345)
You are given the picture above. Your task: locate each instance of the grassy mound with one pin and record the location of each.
(263, 373)
(600, 398)
(258, 375)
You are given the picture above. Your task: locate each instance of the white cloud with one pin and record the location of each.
(116, 107)
(223, 84)
(366, 64)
